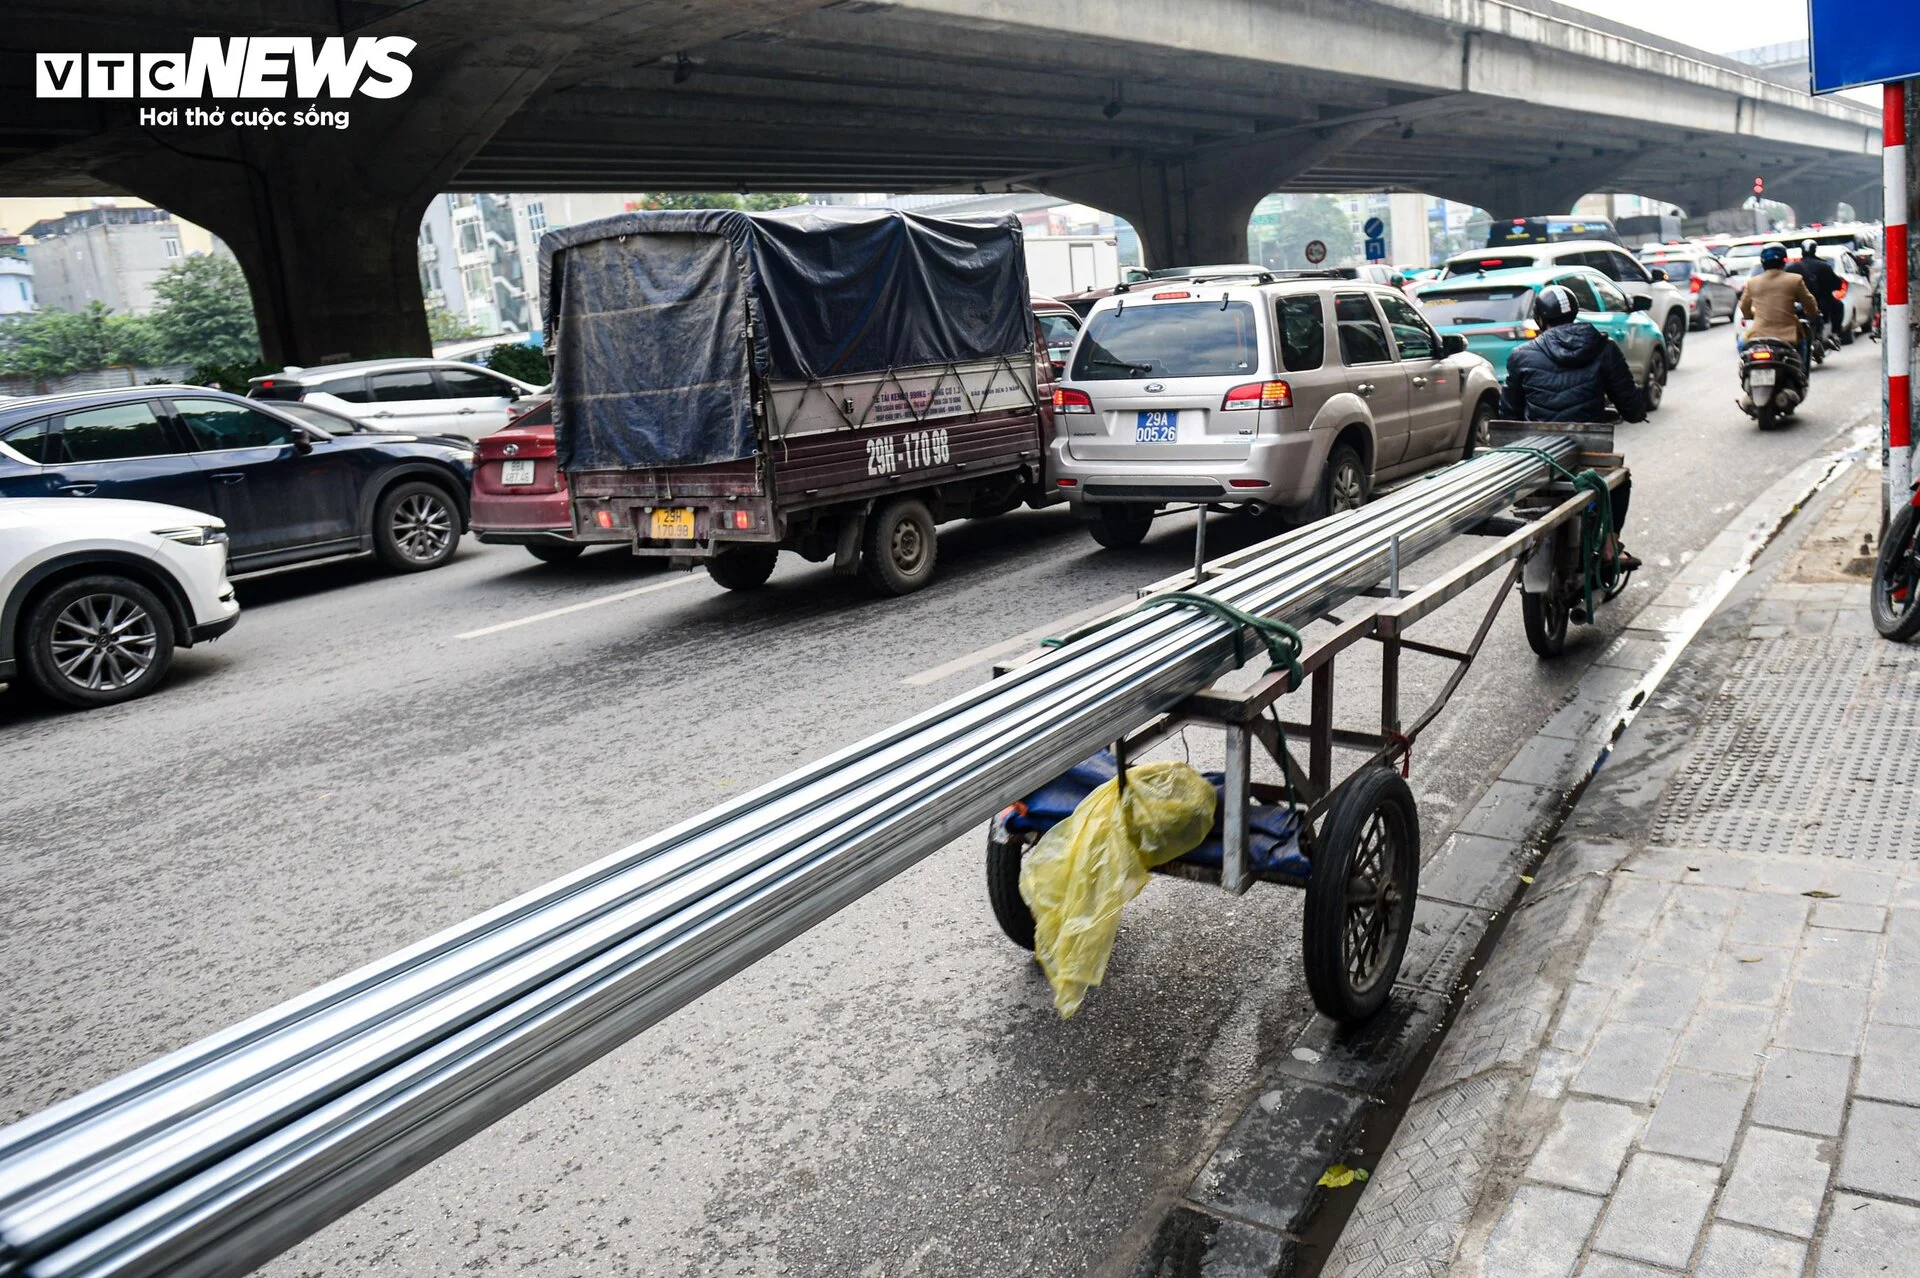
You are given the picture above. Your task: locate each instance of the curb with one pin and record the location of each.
(1254, 1207)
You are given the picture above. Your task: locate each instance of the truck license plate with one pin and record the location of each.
(513, 473)
(1156, 426)
(675, 523)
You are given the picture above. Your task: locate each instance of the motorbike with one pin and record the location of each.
(1772, 381)
(1896, 574)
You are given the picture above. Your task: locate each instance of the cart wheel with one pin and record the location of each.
(1366, 873)
(1546, 621)
(1003, 887)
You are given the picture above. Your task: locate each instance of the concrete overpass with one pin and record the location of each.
(1178, 117)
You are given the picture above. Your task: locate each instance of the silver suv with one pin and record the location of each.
(1294, 392)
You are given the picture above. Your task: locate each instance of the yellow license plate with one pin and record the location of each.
(672, 524)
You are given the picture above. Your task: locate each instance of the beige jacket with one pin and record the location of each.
(1768, 301)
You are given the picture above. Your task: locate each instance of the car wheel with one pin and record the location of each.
(1121, 527)
(556, 552)
(1656, 388)
(743, 567)
(1703, 319)
(1343, 484)
(415, 527)
(1846, 334)
(95, 641)
(1675, 335)
(900, 547)
(1479, 430)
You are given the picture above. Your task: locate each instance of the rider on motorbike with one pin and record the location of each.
(1768, 303)
(1823, 282)
(1568, 374)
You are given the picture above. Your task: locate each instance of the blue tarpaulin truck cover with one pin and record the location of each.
(656, 322)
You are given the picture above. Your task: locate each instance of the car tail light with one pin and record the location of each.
(1067, 483)
(1258, 395)
(1249, 483)
(1068, 400)
(1170, 297)
(1693, 285)
(1518, 333)
(1842, 290)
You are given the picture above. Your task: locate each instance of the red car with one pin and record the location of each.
(519, 491)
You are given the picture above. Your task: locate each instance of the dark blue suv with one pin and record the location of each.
(288, 490)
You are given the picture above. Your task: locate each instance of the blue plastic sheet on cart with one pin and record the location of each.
(1273, 842)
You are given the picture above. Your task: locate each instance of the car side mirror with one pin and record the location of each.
(1453, 344)
(1657, 275)
(1640, 303)
(302, 441)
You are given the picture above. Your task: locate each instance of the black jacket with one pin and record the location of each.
(1822, 281)
(1567, 374)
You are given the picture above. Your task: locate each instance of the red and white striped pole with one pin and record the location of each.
(1896, 337)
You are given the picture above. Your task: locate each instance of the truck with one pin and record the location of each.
(1058, 264)
(835, 383)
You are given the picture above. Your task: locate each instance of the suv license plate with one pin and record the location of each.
(515, 473)
(672, 524)
(1157, 426)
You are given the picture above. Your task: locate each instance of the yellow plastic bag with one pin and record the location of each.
(1085, 868)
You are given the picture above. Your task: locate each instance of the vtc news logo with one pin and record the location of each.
(242, 67)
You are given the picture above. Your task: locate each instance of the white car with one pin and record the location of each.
(1670, 308)
(417, 396)
(95, 595)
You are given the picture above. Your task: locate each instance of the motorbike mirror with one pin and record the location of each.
(1657, 275)
(1640, 304)
(1453, 344)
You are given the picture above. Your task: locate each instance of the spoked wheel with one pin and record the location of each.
(1896, 579)
(1360, 899)
(1545, 617)
(1003, 886)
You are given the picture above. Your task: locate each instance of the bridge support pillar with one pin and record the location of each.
(325, 222)
(1193, 209)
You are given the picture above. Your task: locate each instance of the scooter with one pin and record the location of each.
(1772, 382)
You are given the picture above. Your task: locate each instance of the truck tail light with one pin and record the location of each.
(604, 518)
(738, 518)
(1068, 400)
(1258, 395)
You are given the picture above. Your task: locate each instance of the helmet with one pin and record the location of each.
(1809, 248)
(1773, 256)
(1555, 304)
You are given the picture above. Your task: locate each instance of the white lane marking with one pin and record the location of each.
(1019, 643)
(582, 606)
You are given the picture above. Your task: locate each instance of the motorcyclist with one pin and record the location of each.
(1823, 282)
(1569, 374)
(1768, 301)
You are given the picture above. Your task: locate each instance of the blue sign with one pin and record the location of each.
(1375, 229)
(1856, 42)
(1376, 250)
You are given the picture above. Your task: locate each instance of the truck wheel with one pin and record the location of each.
(556, 552)
(1121, 527)
(743, 567)
(900, 548)
(96, 641)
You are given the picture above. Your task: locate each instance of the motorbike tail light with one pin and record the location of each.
(1258, 395)
(1068, 400)
(1763, 354)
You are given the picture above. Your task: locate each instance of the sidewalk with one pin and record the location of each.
(1696, 1048)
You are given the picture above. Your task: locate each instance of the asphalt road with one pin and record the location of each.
(355, 767)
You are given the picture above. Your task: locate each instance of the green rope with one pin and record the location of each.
(1282, 641)
(1600, 570)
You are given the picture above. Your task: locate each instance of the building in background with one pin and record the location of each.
(109, 253)
(480, 254)
(16, 277)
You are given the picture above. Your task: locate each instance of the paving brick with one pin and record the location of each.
(1613, 1267)
(1474, 870)
(1688, 931)
(1698, 1115)
(1851, 915)
(1634, 902)
(1540, 1235)
(1580, 1016)
(1611, 954)
(1510, 810)
(1793, 874)
(1733, 1252)
(1890, 1065)
(1443, 940)
(1863, 1237)
(1803, 1091)
(1553, 1072)
(1626, 1062)
(1897, 1001)
(1903, 936)
(1552, 762)
(1586, 1146)
(1660, 994)
(1749, 974)
(1881, 1152)
(1777, 1182)
(1829, 956)
(1857, 883)
(1728, 1039)
(1767, 918)
(1656, 1213)
(1823, 1018)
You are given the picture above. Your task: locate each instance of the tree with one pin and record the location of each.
(516, 359)
(203, 313)
(44, 343)
(1280, 234)
(444, 326)
(758, 202)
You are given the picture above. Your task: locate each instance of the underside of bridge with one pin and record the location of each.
(1178, 118)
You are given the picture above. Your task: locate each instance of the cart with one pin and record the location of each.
(1352, 844)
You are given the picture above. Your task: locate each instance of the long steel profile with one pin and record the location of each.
(212, 1159)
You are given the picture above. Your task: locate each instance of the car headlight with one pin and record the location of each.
(194, 535)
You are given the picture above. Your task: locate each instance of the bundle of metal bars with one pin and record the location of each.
(212, 1159)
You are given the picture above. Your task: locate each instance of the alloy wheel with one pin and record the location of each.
(104, 642)
(1349, 489)
(422, 527)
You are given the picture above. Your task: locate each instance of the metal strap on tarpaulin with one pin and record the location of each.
(215, 1158)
